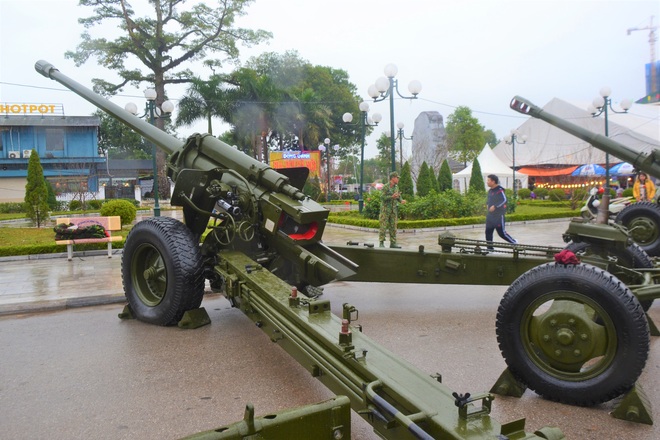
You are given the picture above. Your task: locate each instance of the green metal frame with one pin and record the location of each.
(397, 399)
(330, 419)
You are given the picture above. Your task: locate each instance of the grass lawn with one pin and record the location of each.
(10, 237)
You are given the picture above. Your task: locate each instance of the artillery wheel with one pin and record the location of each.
(642, 219)
(572, 333)
(634, 256)
(162, 271)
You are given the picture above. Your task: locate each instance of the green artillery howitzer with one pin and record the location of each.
(264, 252)
(642, 219)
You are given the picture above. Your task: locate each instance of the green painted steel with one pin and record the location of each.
(263, 248)
(391, 394)
(324, 420)
(455, 265)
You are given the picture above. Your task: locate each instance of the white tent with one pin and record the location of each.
(490, 164)
(639, 129)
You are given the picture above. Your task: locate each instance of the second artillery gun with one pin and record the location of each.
(642, 219)
(261, 245)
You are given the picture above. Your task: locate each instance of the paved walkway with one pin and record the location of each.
(50, 282)
(84, 373)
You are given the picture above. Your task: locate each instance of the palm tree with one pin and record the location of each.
(204, 100)
(314, 119)
(254, 100)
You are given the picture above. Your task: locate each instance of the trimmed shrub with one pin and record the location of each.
(372, 205)
(628, 192)
(448, 204)
(123, 208)
(61, 206)
(75, 205)
(579, 194)
(557, 195)
(95, 204)
(524, 193)
(541, 193)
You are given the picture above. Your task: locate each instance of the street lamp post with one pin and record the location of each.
(384, 88)
(401, 137)
(365, 122)
(152, 112)
(511, 140)
(326, 147)
(600, 107)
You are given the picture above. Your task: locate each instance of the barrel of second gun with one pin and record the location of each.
(648, 163)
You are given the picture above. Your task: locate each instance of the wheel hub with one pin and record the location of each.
(152, 284)
(642, 230)
(566, 334)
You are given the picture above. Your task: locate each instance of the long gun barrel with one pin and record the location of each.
(212, 153)
(647, 162)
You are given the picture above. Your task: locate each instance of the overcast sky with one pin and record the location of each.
(472, 53)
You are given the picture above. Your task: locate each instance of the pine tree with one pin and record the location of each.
(36, 191)
(477, 184)
(406, 183)
(424, 182)
(444, 177)
(433, 179)
(52, 198)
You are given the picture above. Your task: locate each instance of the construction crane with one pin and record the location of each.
(652, 39)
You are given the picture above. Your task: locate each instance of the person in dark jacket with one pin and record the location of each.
(496, 205)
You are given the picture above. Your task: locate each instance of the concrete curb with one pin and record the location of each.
(76, 254)
(60, 304)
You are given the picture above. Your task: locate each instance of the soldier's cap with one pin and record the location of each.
(394, 174)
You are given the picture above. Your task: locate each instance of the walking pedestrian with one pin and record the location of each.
(496, 204)
(389, 210)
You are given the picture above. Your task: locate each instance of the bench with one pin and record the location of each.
(110, 224)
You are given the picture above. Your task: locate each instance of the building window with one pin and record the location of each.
(54, 139)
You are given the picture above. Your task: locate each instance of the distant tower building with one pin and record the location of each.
(652, 68)
(428, 143)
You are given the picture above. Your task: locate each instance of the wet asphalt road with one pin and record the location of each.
(83, 373)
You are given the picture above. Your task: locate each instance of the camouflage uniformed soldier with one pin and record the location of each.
(389, 210)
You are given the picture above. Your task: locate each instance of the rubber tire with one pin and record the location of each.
(166, 247)
(625, 333)
(635, 256)
(643, 214)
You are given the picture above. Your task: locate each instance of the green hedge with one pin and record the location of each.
(56, 248)
(12, 208)
(343, 218)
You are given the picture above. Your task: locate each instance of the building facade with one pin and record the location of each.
(67, 147)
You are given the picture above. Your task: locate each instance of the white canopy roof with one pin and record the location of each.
(490, 164)
(638, 129)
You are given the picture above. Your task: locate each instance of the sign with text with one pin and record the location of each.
(295, 159)
(12, 108)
